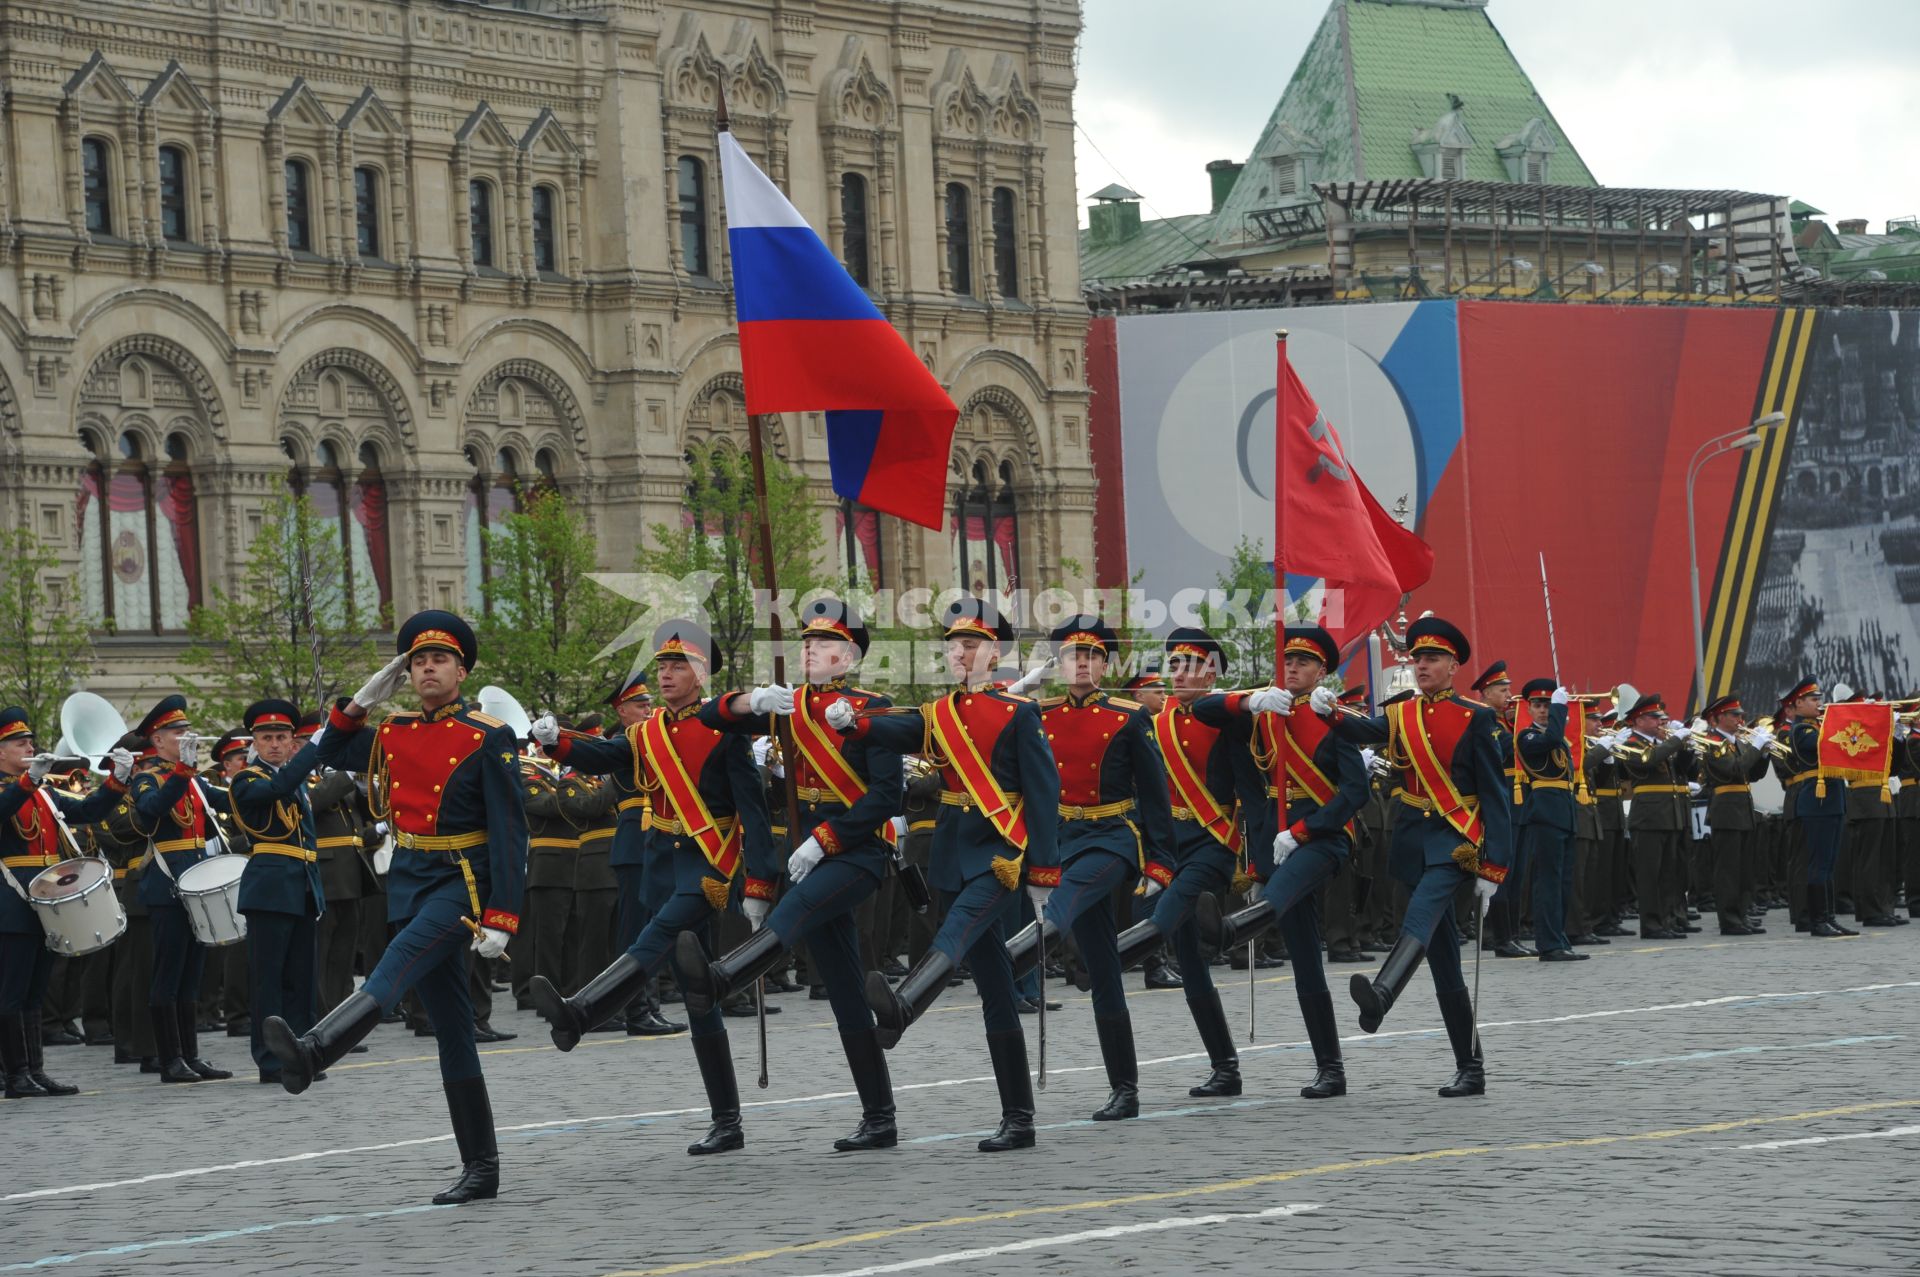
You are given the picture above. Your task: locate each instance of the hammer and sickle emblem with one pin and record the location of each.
(1326, 463)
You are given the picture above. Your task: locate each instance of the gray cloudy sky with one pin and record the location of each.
(1819, 102)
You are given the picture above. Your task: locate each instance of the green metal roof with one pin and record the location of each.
(1897, 256)
(1157, 244)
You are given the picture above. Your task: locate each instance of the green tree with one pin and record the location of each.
(719, 533)
(546, 621)
(1240, 613)
(45, 651)
(292, 628)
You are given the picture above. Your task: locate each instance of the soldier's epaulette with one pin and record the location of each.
(1051, 702)
(1121, 702)
(402, 716)
(1015, 696)
(487, 720)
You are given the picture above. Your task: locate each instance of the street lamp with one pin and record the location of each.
(1732, 441)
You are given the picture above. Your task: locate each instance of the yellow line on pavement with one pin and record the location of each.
(1259, 1181)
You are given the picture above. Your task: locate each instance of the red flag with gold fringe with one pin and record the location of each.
(1856, 742)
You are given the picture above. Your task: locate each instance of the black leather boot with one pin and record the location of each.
(1330, 1069)
(472, 1115)
(1223, 933)
(1470, 1075)
(1211, 1019)
(1123, 1069)
(1825, 924)
(868, 1064)
(1376, 996)
(598, 999)
(1009, 1053)
(37, 1059)
(13, 1059)
(705, 984)
(166, 1040)
(895, 1009)
(190, 1044)
(723, 1096)
(1025, 949)
(304, 1058)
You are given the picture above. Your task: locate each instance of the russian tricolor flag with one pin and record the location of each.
(811, 340)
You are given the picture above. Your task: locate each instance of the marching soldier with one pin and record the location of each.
(643, 868)
(1612, 879)
(847, 791)
(1871, 852)
(1455, 826)
(1819, 805)
(445, 777)
(710, 817)
(1210, 769)
(1729, 765)
(1546, 821)
(232, 1003)
(117, 838)
(172, 809)
(998, 823)
(1494, 687)
(1324, 783)
(556, 814)
(334, 799)
(1116, 825)
(280, 892)
(33, 836)
(1655, 761)
(1906, 809)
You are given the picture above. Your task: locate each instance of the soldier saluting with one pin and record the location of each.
(447, 779)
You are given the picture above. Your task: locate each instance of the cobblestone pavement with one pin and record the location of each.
(1709, 1106)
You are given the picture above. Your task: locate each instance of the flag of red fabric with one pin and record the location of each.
(1326, 524)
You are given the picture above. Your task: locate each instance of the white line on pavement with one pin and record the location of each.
(225, 1234)
(1892, 1133)
(189, 1172)
(1758, 1050)
(1069, 1239)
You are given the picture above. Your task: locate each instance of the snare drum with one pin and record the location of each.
(209, 891)
(77, 906)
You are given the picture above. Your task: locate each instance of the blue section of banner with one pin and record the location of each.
(1424, 366)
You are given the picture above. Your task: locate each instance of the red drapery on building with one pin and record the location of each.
(866, 531)
(177, 508)
(1004, 536)
(370, 512)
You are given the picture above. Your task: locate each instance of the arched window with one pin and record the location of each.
(493, 493)
(366, 212)
(693, 216)
(987, 532)
(480, 221)
(299, 207)
(352, 510)
(859, 534)
(173, 195)
(1006, 243)
(544, 257)
(853, 226)
(139, 537)
(96, 184)
(547, 466)
(960, 238)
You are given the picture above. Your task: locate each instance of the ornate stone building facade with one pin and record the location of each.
(409, 256)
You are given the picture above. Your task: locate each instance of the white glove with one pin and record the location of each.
(757, 911)
(1840, 692)
(1323, 701)
(1366, 759)
(1698, 725)
(1900, 732)
(38, 766)
(1560, 696)
(1485, 889)
(190, 750)
(840, 716)
(380, 827)
(1033, 678)
(1039, 896)
(318, 732)
(1283, 845)
(1693, 789)
(122, 760)
(1678, 729)
(1149, 888)
(899, 826)
(253, 755)
(546, 730)
(1271, 700)
(771, 699)
(491, 942)
(380, 688)
(804, 858)
(1618, 739)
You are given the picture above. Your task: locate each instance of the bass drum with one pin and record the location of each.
(210, 893)
(77, 906)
